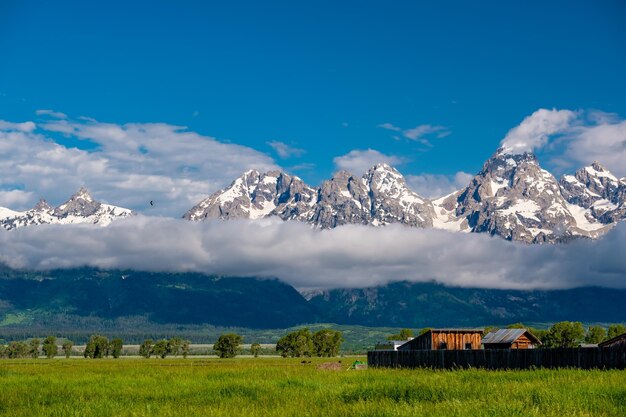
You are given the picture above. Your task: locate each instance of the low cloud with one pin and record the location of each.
(51, 113)
(127, 165)
(438, 185)
(307, 258)
(359, 161)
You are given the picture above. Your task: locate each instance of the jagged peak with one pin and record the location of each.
(42, 205)
(83, 194)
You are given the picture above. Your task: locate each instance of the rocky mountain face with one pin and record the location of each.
(80, 208)
(511, 197)
(380, 197)
(599, 192)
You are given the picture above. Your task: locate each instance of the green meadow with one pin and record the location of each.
(288, 387)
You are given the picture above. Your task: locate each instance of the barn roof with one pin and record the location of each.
(508, 336)
(613, 340)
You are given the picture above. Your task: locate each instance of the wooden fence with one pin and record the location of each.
(587, 358)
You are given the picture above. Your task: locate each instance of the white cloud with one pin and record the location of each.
(285, 150)
(307, 258)
(130, 165)
(604, 142)
(438, 185)
(15, 198)
(534, 131)
(51, 113)
(389, 126)
(419, 133)
(19, 127)
(359, 161)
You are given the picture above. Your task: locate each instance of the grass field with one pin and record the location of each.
(286, 387)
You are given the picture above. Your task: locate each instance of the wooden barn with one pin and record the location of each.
(616, 342)
(442, 339)
(511, 339)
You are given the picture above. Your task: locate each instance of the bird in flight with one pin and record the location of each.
(151, 203)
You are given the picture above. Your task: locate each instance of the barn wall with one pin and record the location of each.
(456, 340)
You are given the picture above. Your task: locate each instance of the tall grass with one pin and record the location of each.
(287, 387)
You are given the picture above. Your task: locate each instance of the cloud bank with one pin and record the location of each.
(307, 258)
(127, 165)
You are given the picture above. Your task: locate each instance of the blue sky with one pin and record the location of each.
(320, 77)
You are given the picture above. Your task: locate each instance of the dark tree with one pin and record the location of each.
(17, 350)
(296, 344)
(185, 348)
(145, 349)
(34, 348)
(97, 347)
(115, 347)
(255, 349)
(565, 334)
(595, 334)
(326, 343)
(174, 345)
(49, 347)
(227, 345)
(160, 349)
(67, 348)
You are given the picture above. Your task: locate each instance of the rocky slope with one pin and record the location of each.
(80, 208)
(380, 197)
(511, 197)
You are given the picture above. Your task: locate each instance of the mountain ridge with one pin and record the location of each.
(511, 197)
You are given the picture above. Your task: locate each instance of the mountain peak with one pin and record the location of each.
(82, 193)
(42, 205)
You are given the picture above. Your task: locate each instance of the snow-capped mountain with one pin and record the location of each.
(255, 195)
(80, 208)
(512, 197)
(379, 197)
(599, 192)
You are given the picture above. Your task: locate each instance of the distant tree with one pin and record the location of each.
(615, 330)
(595, 334)
(17, 350)
(145, 349)
(326, 343)
(296, 344)
(539, 333)
(67, 348)
(174, 346)
(115, 347)
(516, 326)
(403, 335)
(424, 331)
(185, 348)
(255, 349)
(565, 334)
(97, 347)
(160, 349)
(34, 348)
(49, 347)
(227, 345)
